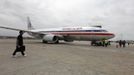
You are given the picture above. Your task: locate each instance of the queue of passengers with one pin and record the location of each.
(122, 43)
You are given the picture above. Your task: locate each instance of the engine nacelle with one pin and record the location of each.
(50, 38)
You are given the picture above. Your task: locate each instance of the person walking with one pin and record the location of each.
(19, 45)
(124, 43)
(120, 43)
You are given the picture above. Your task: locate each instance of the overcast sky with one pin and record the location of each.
(114, 15)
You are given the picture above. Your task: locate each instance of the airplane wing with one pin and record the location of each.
(10, 28)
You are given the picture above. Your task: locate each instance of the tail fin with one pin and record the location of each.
(30, 27)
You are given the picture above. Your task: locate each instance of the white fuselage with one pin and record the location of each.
(77, 33)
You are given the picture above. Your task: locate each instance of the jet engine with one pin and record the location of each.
(50, 38)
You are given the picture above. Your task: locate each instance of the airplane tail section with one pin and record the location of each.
(30, 27)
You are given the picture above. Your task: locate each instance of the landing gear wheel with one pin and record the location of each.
(44, 41)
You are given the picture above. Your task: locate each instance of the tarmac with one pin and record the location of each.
(74, 58)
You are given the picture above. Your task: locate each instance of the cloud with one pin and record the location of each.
(115, 15)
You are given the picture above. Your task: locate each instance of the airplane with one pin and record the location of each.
(68, 34)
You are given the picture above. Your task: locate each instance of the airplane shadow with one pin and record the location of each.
(60, 43)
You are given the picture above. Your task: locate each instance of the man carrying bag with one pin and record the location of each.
(19, 45)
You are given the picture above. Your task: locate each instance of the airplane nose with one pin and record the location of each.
(112, 35)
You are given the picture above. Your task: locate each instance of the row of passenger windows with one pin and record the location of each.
(96, 30)
(90, 31)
